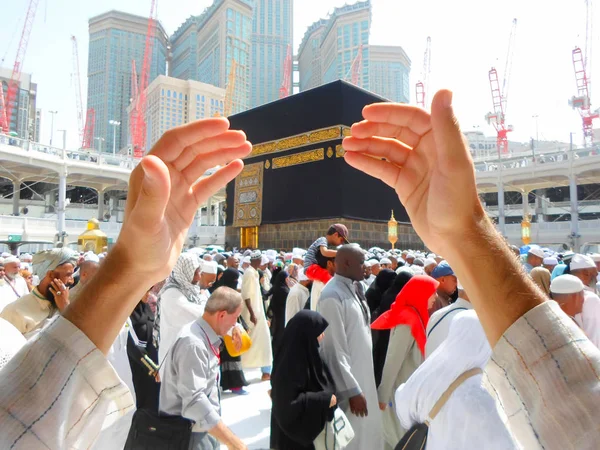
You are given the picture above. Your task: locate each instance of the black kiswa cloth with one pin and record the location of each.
(302, 385)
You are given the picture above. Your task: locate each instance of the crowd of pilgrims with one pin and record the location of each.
(381, 335)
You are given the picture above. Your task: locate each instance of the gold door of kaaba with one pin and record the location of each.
(249, 237)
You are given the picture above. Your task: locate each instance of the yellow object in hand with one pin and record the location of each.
(237, 341)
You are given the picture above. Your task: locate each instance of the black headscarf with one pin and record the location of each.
(381, 338)
(382, 282)
(302, 385)
(214, 286)
(229, 279)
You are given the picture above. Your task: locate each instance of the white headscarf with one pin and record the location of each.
(470, 418)
(51, 259)
(182, 276)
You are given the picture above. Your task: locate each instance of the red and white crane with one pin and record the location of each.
(422, 85)
(138, 112)
(8, 103)
(286, 83)
(500, 96)
(582, 63)
(356, 67)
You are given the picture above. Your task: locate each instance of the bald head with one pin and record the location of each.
(350, 261)
(87, 269)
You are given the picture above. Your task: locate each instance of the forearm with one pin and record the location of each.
(328, 253)
(106, 301)
(249, 306)
(494, 279)
(226, 436)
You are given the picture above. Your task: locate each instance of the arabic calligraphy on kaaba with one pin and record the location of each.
(317, 154)
(248, 196)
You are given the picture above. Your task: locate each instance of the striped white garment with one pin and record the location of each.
(59, 392)
(545, 374)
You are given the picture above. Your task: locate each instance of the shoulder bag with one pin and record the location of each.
(336, 435)
(416, 437)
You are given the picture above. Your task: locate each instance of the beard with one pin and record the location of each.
(11, 276)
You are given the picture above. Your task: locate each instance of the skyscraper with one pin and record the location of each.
(117, 39)
(331, 45)
(389, 72)
(22, 120)
(224, 35)
(272, 32)
(182, 62)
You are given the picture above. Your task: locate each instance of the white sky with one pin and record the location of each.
(468, 37)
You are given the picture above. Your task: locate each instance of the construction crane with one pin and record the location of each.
(88, 132)
(500, 96)
(582, 64)
(230, 89)
(286, 83)
(138, 112)
(13, 84)
(422, 85)
(356, 67)
(77, 87)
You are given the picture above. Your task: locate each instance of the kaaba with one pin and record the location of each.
(296, 183)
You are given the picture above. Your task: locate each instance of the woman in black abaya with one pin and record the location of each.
(232, 375)
(374, 294)
(302, 394)
(276, 310)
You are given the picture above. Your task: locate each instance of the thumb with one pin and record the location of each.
(154, 192)
(452, 150)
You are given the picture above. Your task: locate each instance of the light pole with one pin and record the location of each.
(64, 138)
(115, 124)
(52, 126)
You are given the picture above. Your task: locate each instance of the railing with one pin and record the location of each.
(532, 159)
(92, 157)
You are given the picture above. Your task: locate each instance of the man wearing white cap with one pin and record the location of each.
(385, 263)
(15, 285)
(55, 268)
(298, 296)
(428, 265)
(568, 292)
(253, 312)
(410, 259)
(298, 256)
(535, 258)
(584, 268)
(550, 262)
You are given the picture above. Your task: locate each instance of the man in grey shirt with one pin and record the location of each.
(190, 386)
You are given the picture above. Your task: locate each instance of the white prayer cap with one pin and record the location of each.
(264, 260)
(566, 284)
(271, 253)
(246, 260)
(550, 261)
(302, 276)
(373, 262)
(298, 253)
(209, 267)
(385, 261)
(11, 259)
(25, 257)
(582, 262)
(256, 254)
(429, 262)
(368, 264)
(536, 251)
(5, 254)
(410, 255)
(595, 257)
(91, 256)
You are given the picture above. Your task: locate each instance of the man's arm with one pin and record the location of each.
(226, 436)
(327, 253)
(165, 191)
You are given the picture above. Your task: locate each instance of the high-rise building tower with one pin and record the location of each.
(182, 62)
(331, 45)
(224, 35)
(272, 32)
(309, 56)
(389, 72)
(22, 120)
(117, 39)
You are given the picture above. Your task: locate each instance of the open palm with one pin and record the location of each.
(164, 191)
(425, 159)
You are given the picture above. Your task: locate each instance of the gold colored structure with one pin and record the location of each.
(526, 231)
(93, 239)
(393, 230)
(249, 237)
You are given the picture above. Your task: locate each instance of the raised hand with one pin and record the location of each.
(164, 191)
(426, 160)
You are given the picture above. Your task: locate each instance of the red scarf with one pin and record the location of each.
(410, 308)
(317, 273)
